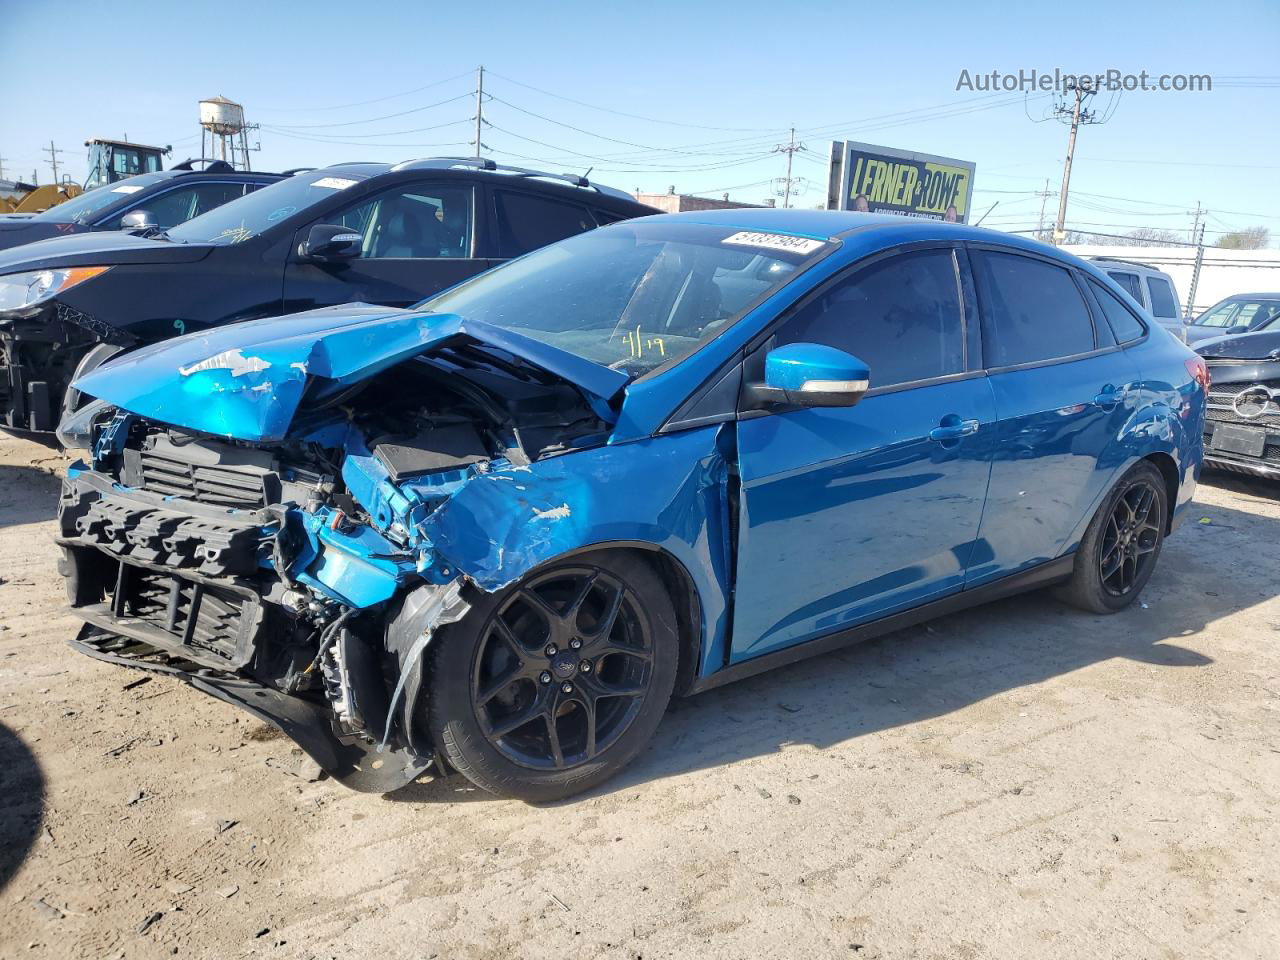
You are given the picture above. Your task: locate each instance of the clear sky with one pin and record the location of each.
(712, 87)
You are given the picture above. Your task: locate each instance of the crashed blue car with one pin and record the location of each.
(495, 533)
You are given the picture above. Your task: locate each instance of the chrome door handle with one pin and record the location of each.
(1108, 399)
(954, 430)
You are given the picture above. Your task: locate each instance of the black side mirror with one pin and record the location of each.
(1238, 328)
(138, 221)
(328, 242)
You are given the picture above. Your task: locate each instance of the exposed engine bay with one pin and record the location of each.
(301, 578)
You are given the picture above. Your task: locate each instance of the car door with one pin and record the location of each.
(847, 514)
(418, 239)
(1063, 391)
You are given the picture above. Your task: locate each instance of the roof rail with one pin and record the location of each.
(1125, 260)
(487, 164)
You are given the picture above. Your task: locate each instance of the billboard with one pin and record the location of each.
(874, 179)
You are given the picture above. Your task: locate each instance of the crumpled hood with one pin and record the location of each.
(98, 248)
(245, 380)
(1262, 345)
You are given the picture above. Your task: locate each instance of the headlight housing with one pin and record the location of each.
(19, 290)
(78, 431)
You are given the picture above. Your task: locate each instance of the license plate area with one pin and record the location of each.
(1234, 438)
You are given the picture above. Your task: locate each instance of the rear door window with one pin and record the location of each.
(1033, 310)
(1162, 303)
(527, 222)
(1129, 283)
(1120, 318)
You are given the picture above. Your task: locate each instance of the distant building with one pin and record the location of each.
(672, 202)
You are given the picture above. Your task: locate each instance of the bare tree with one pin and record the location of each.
(1251, 238)
(1150, 237)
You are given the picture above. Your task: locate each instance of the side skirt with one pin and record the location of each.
(1046, 574)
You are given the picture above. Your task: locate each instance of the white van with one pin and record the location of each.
(1152, 288)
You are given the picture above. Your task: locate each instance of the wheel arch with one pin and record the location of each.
(686, 598)
(1169, 471)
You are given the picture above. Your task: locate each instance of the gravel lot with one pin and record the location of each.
(1020, 781)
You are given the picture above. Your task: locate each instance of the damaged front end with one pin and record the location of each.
(265, 522)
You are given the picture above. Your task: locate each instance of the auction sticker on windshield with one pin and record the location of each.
(335, 183)
(126, 189)
(775, 241)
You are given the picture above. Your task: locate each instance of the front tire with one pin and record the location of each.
(553, 685)
(1119, 550)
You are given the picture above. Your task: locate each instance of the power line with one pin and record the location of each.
(622, 113)
(388, 116)
(365, 103)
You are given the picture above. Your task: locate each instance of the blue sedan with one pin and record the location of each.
(498, 531)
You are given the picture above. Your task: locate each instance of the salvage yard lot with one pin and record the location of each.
(1021, 780)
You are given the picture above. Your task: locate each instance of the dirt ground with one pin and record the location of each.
(1019, 781)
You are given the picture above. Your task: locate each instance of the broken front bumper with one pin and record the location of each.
(187, 589)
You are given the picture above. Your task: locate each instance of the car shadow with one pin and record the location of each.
(28, 494)
(22, 803)
(934, 669)
(1243, 483)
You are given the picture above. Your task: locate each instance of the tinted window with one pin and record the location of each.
(604, 217)
(1123, 323)
(1033, 309)
(1162, 304)
(527, 222)
(1129, 283)
(416, 222)
(901, 317)
(180, 205)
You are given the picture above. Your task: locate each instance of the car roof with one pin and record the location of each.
(1251, 296)
(871, 230)
(566, 185)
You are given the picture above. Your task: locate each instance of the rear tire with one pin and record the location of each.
(1119, 550)
(553, 685)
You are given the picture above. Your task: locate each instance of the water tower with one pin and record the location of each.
(223, 132)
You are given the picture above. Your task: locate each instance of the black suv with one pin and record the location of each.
(372, 232)
(150, 200)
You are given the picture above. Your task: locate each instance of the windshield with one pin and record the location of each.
(86, 206)
(633, 295)
(1254, 314)
(237, 221)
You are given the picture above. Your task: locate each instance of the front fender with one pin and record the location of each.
(668, 492)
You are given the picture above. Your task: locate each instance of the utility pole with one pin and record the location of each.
(1195, 270)
(479, 105)
(1078, 116)
(1044, 200)
(1195, 224)
(2, 160)
(790, 149)
(53, 152)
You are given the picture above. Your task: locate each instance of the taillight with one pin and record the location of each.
(1199, 371)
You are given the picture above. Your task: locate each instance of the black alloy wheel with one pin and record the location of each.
(563, 669)
(554, 684)
(1131, 537)
(1119, 550)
